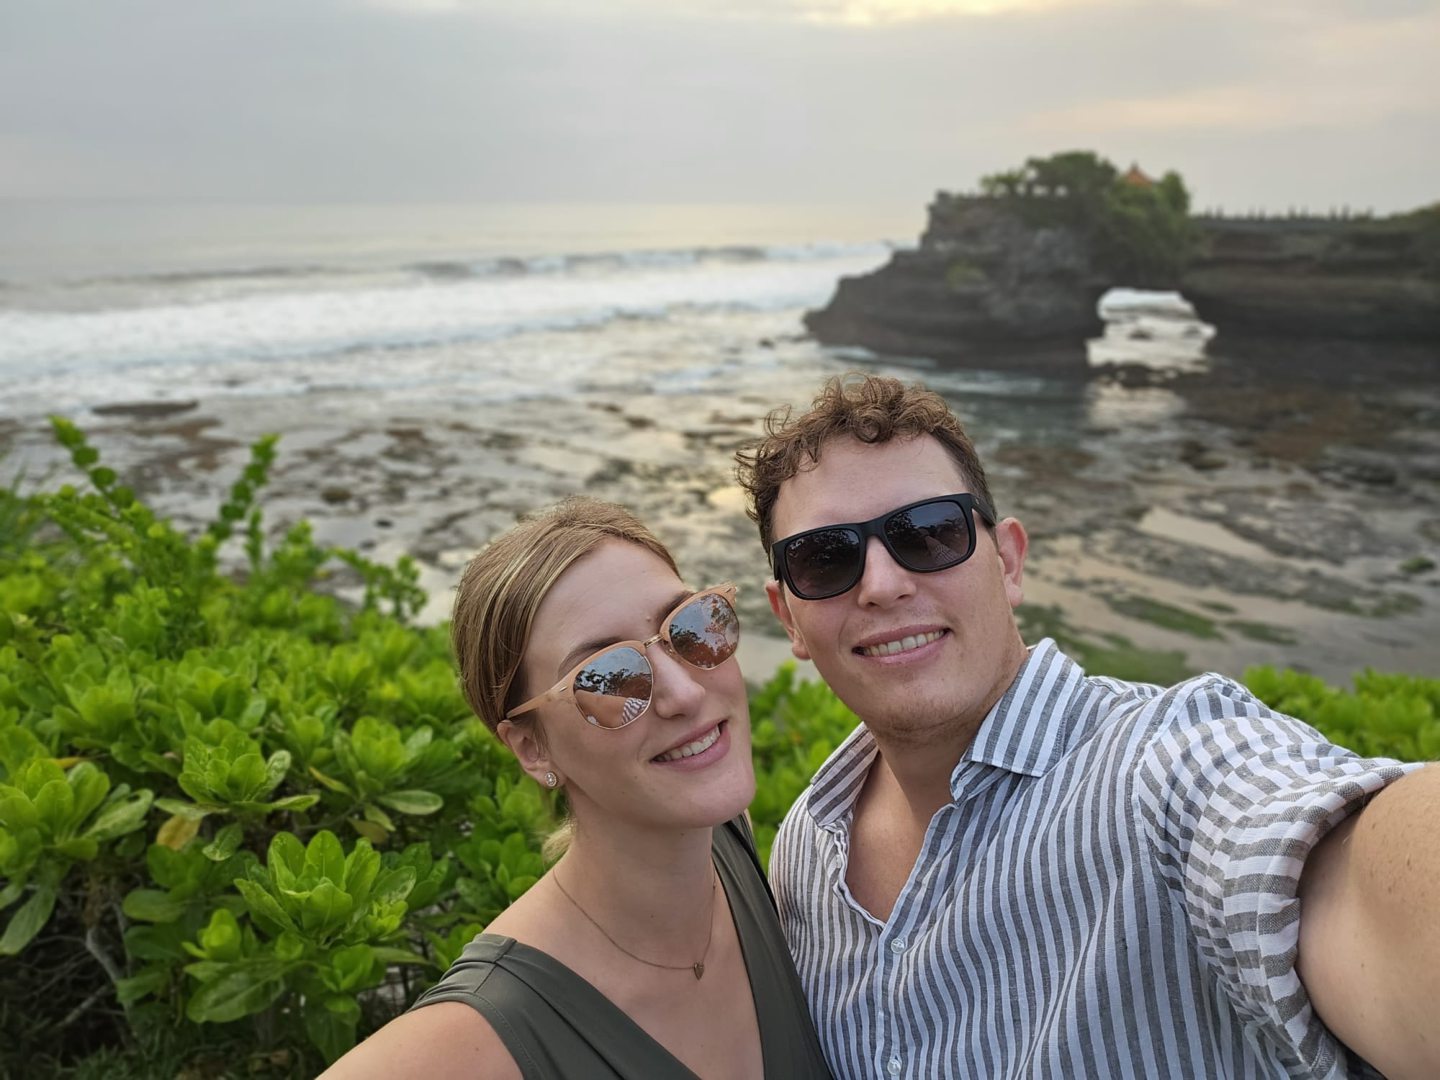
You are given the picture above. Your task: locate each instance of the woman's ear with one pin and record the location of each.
(526, 743)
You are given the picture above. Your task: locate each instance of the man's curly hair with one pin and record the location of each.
(870, 408)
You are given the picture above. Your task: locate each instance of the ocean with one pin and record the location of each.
(107, 301)
(435, 371)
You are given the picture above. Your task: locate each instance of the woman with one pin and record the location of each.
(651, 948)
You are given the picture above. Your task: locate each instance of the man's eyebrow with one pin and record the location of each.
(594, 645)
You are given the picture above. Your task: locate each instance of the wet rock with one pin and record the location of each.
(334, 495)
(1200, 457)
(145, 410)
(1370, 473)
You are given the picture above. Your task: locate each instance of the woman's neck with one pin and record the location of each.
(650, 891)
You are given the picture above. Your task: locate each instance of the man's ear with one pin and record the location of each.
(1011, 542)
(525, 743)
(780, 605)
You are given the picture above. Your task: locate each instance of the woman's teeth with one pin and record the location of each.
(699, 746)
(905, 644)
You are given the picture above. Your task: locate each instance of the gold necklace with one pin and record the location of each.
(698, 967)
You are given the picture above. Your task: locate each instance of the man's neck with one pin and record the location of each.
(920, 763)
(921, 771)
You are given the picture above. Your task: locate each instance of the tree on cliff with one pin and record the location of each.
(1142, 235)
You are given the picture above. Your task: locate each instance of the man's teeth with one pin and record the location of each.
(699, 746)
(905, 644)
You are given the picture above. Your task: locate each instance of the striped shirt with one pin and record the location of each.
(1110, 892)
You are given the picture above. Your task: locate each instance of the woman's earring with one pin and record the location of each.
(551, 779)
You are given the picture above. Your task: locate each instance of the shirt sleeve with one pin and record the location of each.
(1234, 796)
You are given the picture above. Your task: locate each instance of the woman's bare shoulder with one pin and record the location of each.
(444, 1041)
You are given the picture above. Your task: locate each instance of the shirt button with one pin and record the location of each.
(897, 946)
(894, 1067)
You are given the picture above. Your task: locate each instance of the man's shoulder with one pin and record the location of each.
(1142, 712)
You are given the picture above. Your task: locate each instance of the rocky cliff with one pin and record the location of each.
(988, 285)
(982, 284)
(1352, 280)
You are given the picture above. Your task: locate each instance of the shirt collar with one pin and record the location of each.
(1026, 732)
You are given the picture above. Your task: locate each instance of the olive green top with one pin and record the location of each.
(555, 1024)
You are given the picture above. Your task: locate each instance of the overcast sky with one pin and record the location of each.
(1256, 102)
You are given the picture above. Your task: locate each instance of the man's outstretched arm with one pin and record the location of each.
(1370, 928)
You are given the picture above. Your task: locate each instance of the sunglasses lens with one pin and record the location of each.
(705, 632)
(932, 536)
(614, 688)
(824, 563)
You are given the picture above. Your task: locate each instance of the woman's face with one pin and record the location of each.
(635, 774)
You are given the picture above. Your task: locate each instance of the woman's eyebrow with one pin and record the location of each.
(594, 645)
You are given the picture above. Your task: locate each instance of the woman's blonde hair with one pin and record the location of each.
(502, 588)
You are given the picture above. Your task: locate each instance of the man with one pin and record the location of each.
(1011, 869)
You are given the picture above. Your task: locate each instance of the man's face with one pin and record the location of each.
(964, 648)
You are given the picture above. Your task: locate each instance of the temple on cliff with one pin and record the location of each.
(1135, 175)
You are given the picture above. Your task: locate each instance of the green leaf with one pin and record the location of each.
(149, 981)
(90, 786)
(145, 942)
(324, 858)
(412, 802)
(379, 817)
(324, 908)
(329, 782)
(120, 817)
(369, 830)
(290, 802)
(350, 967)
(81, 848)
(221, 937)
(11, 892)
(332, 1033)
(285, 859)
(243, 990)
(263, 905)
(225, 844)
(276, 767)
(54, 803)
(151, 905)
(391, 955)
(182, 808)
(393, 885)
(29, 919)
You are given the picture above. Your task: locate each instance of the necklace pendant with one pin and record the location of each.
(699, 969)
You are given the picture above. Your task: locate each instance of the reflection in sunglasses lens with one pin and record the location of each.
(614, 688)
(824, 562)
(705, 632)
(929, 537)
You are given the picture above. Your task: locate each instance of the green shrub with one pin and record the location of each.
(226, 798)
(1396, 716)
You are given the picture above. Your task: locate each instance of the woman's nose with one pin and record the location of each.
(677, 690)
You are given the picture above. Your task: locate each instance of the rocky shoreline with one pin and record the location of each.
(1197, 512)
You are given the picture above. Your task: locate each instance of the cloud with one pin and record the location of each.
(880, 12)
(641, 101)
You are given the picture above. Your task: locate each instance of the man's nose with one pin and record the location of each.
(884, 580)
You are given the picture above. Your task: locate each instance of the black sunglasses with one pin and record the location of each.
(926, 536)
